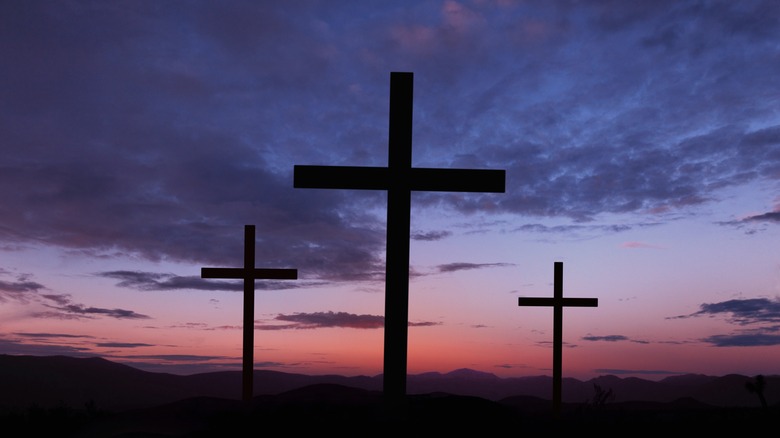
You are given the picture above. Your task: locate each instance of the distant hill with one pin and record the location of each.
(77, 397)
(50, 381)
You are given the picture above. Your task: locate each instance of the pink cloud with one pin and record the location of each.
(415, 38)
(459, 17)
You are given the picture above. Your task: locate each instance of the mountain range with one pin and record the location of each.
(57, 380)
(131, 396)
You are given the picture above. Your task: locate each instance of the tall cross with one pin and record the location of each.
(399, 179)
(249, 274)
(558, 302)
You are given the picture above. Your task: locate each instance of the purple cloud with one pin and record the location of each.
(743, 340)
(151, 281)
(461, 266)
(333, 319)
(609, 338)
(741, 311)
(430, 236)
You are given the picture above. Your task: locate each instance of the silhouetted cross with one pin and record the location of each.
(557, 302)
(249, 274)
(399, 178)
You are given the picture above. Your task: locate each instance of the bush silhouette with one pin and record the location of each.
(757, 387)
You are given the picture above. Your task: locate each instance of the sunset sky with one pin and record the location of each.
(640, 141)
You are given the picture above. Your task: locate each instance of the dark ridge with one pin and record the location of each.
(56, 395)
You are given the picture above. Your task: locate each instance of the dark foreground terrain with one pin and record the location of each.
(60, 396)
(328, 408)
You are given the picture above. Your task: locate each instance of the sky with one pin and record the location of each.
(640, 143)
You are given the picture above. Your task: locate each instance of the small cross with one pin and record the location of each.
(399, 179)
(557, 302)
(249, 274)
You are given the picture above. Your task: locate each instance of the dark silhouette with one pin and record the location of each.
(601, 397)
(50, 381)
(399, 178)
(757, 388)
(249, 274)
(558, 302)
(93, 397)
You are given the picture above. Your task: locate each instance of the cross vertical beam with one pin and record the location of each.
(557, 302)
(249, 274)
(399, 208)
(399, 179)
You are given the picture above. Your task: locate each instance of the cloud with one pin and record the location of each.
(41, 343)
(579, 230)
(549, 344)
(762, 218)
(193, 364)
(613, 338)
(511, 366)
(743, 340)
(741, 311)
(461, 266)
(182, 364)
(332, 319)
(22, 347)
(60, 299)
(761, 312)
(430, 236)
(64, 308)
(151, 281)
(645, 372)
(77, 311)
(20, 286)
(165, 150)
(177, 357)
(423, 324)
(50, 335)
(460, 18)
(610, 338)
(61, 306)
(22, 289)
(772, 216)
(122, 344)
